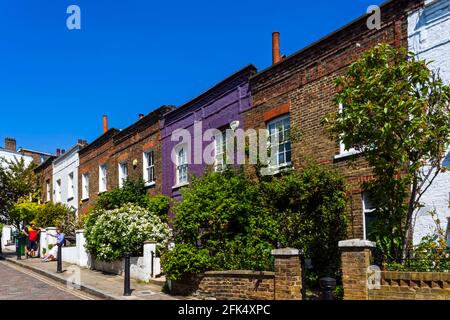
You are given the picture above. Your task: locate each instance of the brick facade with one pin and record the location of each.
(283, 284)
(116, 147)
(99, 152)
(305, 82)
(45, 173)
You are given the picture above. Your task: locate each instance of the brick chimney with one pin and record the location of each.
(105, 123)
(276, 55)
(10, 144)
(58, 152)
(141, 116)
(82, 142)
(63, 151)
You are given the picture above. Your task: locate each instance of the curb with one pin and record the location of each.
(84, 288)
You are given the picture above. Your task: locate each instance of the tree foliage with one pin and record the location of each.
(133, 191)
(17, 181)
(228, 222)
(310, 206)
(221, 225)
(396, 112)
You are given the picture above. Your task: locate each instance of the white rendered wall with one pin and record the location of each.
(10, 156)
(429, 38)
(61, 169)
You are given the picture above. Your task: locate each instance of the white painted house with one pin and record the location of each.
(429, 38)
(10, 153)
(65, 178)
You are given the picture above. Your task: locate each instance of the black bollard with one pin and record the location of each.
(19, 255)
(327, 285)
(59, 259)
(126, 287)
(153, 258)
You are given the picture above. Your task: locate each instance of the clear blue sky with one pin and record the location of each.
(132, 56)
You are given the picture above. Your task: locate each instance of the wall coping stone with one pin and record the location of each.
(287, 252)
(239, 273)
(356, 243)
(50, 228)
(79, 231)
(150, 242)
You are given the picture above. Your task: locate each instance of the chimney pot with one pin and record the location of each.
(10, 144)
(141, 116)
(58, 152)
(276, 55)
(63, 151)
(105, 123)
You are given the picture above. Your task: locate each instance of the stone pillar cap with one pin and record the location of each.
(356, 243)
(287, 252)
(50, 228)
(79, 231)
(150, 242)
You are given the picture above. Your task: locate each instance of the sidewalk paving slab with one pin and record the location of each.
(97, 283)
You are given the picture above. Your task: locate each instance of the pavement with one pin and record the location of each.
(92, 282)
(15, 284)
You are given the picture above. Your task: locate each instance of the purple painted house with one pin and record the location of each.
(218, 108)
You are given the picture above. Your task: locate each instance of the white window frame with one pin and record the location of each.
(48, 191)
(181, 167)
(286, 164)
(58, 191)
(70, 186)
(103, 178)
(123, 173)
(149, 168)
(365, 211)
(85, 186)
(220, 151)
(343, 151)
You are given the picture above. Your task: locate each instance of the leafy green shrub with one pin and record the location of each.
(111, 233)
(432, 254)
(311, 206)
(221, 225)
(134, 191)
(54, 215)
(24, 211)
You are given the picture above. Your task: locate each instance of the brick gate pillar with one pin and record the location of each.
(288, 274)
(355, 259)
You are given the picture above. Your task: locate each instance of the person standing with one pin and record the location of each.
(32, 235)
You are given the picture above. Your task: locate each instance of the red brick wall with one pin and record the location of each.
(45, 173)
(306, 82)
(229, 285)
(91, 157)
(127, 145)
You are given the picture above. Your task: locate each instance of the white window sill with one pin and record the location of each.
(178, 186)
(150, 184)
(276, 170)
(100, 192)
(85, 199)
(347, 154)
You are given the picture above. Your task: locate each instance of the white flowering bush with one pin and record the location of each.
(111, 233)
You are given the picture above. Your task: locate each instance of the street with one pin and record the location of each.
(17, 283)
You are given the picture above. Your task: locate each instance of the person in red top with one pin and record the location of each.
(32, 236)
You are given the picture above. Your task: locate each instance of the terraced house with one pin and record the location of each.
(118, 155)
(296, 92)
(221, 107)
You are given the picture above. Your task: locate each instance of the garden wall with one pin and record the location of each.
(412, 286)
(363, 281)
(228, 285)
(283, 284)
